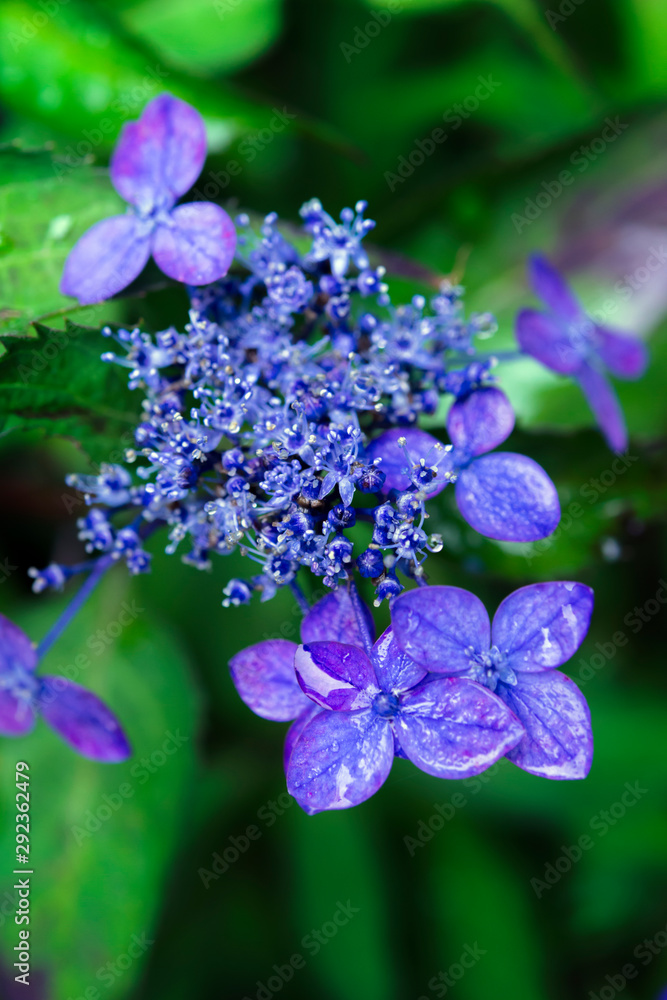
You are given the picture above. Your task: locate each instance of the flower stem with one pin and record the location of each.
(301, 598)
(75, 604)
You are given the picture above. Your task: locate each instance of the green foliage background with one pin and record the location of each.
(364, 82)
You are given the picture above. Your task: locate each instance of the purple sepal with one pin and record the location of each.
(420, 445)
(160, 156)
(544, 338)
(549, 286)
(508, 497)
(297, 728)
(264, 677)
(335, 675)
(18, 659)
(541, 626)
(558, 742)
(454, 728)
(17, 716)
(340, 616)
(16, 649)
(606, 408)
(480, 421)
(438, 626)
(82, 720)
(624, 356)
(340, 760)
(196, 245)
(394, 669)
(106, 259)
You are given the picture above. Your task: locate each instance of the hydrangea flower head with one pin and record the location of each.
(566, 340)
(158, 158)
(77, 715)
(535, 630)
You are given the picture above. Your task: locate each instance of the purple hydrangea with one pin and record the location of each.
(569, 342)
(506, 496)
(158, 158)
(76, 714)
(535, 630)
(358, 704)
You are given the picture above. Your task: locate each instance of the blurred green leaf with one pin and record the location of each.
(82, 75)
(335, 859)
(57, 384)
(103, 858)
(205, 36)
(480, 904)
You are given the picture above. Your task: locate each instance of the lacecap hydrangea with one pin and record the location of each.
(284, 414)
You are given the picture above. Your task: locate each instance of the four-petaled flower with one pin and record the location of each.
(504, 496)
(566, 340)
(158, 158)
(361, 703)
(535, 630)
(76, 714)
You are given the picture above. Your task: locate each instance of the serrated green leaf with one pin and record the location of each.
(56, 384)
(40, 220)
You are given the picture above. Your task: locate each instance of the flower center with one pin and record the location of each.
(385, 705)
(490, 668)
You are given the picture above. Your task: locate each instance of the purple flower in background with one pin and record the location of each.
(566, 340)
(158, 158)
(264, 674)
(77, 715)
(508, 497)
(379, 703)
(535, 629)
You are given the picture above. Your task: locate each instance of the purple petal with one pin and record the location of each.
(551, 287)
(340, 616)
(606, 408)
(159, 157)
(340, 760)
(17, 717)
(546, 339)
(197, 247)
(438, 626)
(394, 669)
(481, 421)
(106, 259)
(297, 728)
(508, 497)
(420, 445)
(16, 649)
(558, 742)
(82, 720)
(454, 728)
(265, 678)
(335, 675)
(624, 356)
(541, 626)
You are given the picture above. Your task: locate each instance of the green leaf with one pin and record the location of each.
(205, 36)
(482, 910)
(103, 837)
(41, 220)
(83, 76)
(57, 385)
(335, 860)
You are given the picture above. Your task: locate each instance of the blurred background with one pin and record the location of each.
(186, 872)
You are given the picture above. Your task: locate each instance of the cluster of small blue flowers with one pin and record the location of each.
(258, 418)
